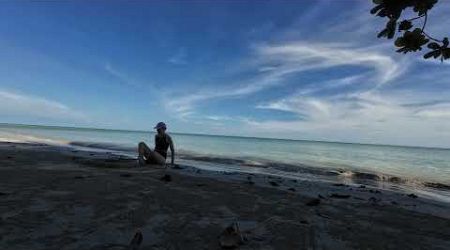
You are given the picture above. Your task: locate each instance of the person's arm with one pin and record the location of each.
(172, 151)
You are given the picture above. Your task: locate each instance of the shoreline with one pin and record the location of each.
(218, 166)
(299, 171)
(220, 135)
(424, 169)
(56, 197)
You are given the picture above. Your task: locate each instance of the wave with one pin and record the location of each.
(437, 185)
(346, 175)
(26, 138)
(104, 146)
(350, 176)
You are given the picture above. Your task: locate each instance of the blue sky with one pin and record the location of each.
(309, 70)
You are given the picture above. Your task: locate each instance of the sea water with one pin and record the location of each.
(409, 163)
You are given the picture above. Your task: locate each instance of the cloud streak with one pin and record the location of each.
(300, 56)
(120, 76)
(369, 116)
(179, 58)
(276, 62)
(31, 106)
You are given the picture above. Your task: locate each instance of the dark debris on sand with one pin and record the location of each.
(374, 200)
(413, 196)
(166, 178)
(340, 196)
(249, 180)
(313, 202)
(340, 185)
(231, 237)
(273, 183)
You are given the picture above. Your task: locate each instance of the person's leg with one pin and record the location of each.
(156, 158)
(150, 155)
(143, 149)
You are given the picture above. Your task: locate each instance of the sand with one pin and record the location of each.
(60, 198)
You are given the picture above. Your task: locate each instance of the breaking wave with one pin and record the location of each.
(277, 168)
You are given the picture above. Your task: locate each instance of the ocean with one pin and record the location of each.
(307, 159)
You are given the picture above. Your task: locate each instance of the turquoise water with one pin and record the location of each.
(413, 163)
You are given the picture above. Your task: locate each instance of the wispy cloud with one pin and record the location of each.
(179, 58)
(368, 116)
(276, 62)
(12, 103)
(120, 76)
(219, 118)
(299, 56)
(438, 110)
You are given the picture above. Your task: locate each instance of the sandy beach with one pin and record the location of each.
(61, 198)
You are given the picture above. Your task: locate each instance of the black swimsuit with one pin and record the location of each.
(162, 144)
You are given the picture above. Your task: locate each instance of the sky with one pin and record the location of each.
(310, 70)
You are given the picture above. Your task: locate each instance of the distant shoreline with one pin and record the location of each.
(218, 135)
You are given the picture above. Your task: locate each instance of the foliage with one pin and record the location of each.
(415, 40)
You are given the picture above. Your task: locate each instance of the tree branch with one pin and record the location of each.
(431, 38)
(410, 41)
(415, 18)
(425, 22)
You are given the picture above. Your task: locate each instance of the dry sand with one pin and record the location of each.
(60, 198)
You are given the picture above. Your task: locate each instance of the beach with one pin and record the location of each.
(57, 197)
(309, 124)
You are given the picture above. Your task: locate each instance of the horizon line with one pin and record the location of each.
(221, 135)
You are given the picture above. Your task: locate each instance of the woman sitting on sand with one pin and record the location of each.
(162, 142)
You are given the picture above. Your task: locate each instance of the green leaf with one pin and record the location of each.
(402, 50)
(411, 41)
(405, 25)
(434, 54)
(417, 31)
(423, 6)
(400, 42)
(382, 33)
(428, 55)
(391, 26)
(375, 9)
(445, 41)
(446, 53)
(434, 46)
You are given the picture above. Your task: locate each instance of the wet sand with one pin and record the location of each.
(60, 198)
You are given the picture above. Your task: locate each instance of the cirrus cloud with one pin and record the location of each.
(12, 103)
